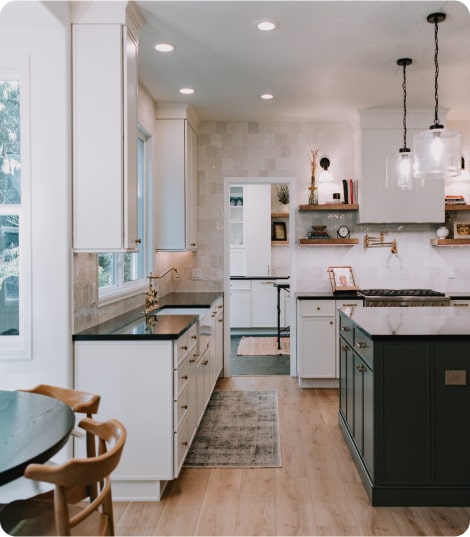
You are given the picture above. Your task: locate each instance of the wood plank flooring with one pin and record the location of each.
(316, 492)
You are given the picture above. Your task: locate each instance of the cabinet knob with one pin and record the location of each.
(193, 244)
(205, 362)
(331, 322)
(185, 443)
(193, 337)
(345, 329)
(360, 368)
(138, 241)
(361, 345)
(221, 320)
(184, 347)
(184, 407)
(318, 308)
(220, 306)
(184, 377)
(344, 348)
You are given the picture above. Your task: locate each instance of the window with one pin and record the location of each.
(122, 274)
(15, 236)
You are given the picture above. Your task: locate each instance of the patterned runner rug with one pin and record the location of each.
(240, 429)
(263, 346)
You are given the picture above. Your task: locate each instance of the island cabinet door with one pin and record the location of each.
(346, 394)
(403, 408)
(364, 411)
(451, 413)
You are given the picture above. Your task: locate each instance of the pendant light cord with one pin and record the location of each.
(404, 105)
(436, 72)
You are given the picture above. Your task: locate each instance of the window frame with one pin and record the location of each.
(122, 290)
(19, 347)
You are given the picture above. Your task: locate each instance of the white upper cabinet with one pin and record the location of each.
(175, 188)
(104, 63)
(381, 135)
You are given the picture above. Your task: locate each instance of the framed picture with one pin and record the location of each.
(461, 230)
(279, 231)
(342, 279)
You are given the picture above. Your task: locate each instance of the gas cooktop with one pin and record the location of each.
(399, 292)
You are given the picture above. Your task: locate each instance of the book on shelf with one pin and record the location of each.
(454, 199)
(349, 191)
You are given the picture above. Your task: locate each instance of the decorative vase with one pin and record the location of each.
(442, 232)
(313, 197)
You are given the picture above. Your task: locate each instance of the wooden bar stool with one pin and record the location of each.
(73, 479)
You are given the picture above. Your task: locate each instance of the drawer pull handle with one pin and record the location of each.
(460, 305)
(205, 362)
(184, 348)
(345, 329)
(184, 377)
(360, 368)
(214, 314)
(221, 320)
(184, 407)
(361, 345)
(349, 305)
(193, 337)
(221, 306)
(344, 348)
(194, 358)
(185, 443)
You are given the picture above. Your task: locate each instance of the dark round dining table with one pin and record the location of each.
(32, 428)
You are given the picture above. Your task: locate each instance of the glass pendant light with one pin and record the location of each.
(399, 166)
(437, 151)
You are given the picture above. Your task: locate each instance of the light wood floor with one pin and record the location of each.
(316, 492)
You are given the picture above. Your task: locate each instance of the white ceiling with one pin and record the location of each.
(327, 60)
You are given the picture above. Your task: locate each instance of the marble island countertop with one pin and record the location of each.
(132, 325)
(432, 322)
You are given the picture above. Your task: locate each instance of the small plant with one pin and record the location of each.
(283, 194)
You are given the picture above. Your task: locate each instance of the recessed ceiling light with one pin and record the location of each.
(266, 25)
(187, 91)
(267, 96)
(164, 47)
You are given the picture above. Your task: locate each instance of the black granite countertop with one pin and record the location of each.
(132, 325)
(428, 322)
(259, 277)
(326, 295)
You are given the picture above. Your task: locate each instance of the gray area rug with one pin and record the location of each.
(240, 429)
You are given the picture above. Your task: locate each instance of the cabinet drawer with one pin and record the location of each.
(317, 308)
(240, 285)
(180, 408)
(364, 347)
(181, 378)
(346, 328)
(180, 446)
(185, 344)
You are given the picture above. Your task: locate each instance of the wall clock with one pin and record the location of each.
(342, 232)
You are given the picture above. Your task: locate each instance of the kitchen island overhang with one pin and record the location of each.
(404, 403)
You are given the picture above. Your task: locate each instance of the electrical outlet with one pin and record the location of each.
(456, 377)
(451, 273)
(196, 274)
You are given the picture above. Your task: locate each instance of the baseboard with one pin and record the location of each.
(318, 383)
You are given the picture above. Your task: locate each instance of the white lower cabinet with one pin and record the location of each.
(317, 354)
(151, 387)
(240, 303)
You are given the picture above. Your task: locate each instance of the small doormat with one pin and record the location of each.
(263, 346)
(240, 429)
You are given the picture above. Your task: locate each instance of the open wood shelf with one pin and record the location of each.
(328, 242)
(280, 243)
(456, 207)
(450, 242)
(330, 207)
(279, 215)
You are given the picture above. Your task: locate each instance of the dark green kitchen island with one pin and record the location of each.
(405, 403)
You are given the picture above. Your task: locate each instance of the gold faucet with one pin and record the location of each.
(151, 296)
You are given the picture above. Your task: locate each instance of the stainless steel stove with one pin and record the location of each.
(403, 297)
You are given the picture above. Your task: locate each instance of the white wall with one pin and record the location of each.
(29, 29)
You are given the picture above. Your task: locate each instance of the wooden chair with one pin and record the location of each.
(79, 402)
(85, 515)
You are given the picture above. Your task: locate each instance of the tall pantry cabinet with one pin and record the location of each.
(105, 81)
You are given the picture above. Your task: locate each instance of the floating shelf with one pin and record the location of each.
(329, 207)
(456, 207)
(450, 242)
(328, 242)
(279, 215)
(280, 243)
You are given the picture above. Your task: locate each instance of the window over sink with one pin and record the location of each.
(124, 274)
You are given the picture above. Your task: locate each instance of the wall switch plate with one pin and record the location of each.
(451, 273)
(196, 274)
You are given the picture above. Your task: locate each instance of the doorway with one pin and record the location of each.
(259, 313)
